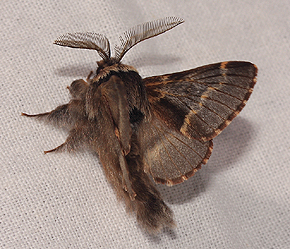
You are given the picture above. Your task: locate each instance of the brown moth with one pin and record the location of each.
(160, 126)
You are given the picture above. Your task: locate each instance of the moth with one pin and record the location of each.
(160, 127)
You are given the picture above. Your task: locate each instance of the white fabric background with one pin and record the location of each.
(240, 199)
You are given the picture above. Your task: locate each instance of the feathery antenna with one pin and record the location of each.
(88, 40)
(144, 31)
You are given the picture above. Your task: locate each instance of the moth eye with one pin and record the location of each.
(78, 88)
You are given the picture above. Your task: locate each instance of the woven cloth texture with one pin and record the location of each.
(239, 199)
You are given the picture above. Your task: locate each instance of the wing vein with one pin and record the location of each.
(225, 93)
(187, 145)
(185, 158)
(196, 113)
(159, 158)
(158, 131)
(195, 101)
(217, 75)
(220, 83)
(221, 103)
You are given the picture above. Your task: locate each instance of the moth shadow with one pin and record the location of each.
(153, 60)
(80, 71)
(232, 144)
(157, 238)
(229, 146)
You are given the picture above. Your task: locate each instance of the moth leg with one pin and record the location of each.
(58, 148)
(89, 76)
(74, 140)
(60, 115)
(127, 185)
(35, 115)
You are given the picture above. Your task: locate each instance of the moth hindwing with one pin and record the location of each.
(161, 126)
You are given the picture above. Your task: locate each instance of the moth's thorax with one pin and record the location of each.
(109, 75)
(106, 69)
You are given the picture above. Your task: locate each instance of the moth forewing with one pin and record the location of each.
(161, 125)
(201, 102)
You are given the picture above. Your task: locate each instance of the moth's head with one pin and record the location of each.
(100, 43)
(105, 63)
